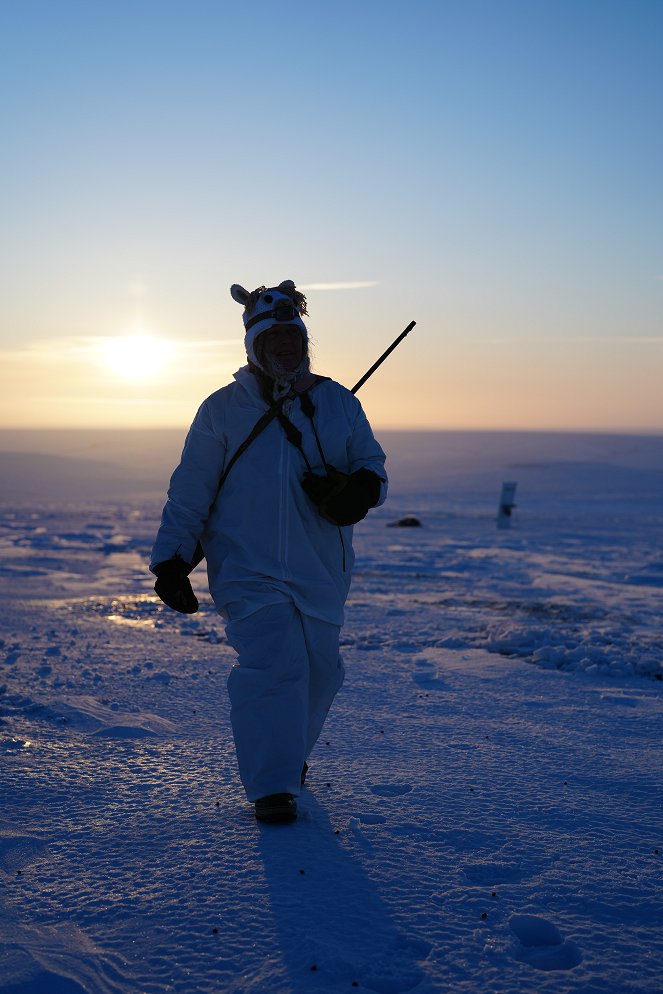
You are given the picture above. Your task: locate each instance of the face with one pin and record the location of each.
(284, 345)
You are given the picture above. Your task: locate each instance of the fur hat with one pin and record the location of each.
(269, 306)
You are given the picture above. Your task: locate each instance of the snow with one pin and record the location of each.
(483, 811)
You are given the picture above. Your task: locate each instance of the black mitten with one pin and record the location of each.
(174, 587)
(347, 498)
(322, 488)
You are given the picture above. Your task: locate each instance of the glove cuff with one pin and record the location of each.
(172, 567)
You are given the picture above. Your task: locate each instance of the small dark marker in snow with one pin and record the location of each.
(337, 831)
(314, 967)
(382, 731)
(215, 931)
(355, 984)
(655, 852)
(483, 914)
(494, 894)
(302, 872)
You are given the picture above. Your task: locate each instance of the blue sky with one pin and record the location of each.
(492, 170)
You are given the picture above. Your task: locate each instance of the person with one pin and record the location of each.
(277, 536)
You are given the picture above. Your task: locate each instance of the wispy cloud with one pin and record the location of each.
(360, 285)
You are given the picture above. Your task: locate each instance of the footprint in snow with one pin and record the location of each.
(540, 944)
(390, 789)
(397, 969)
(18, 851)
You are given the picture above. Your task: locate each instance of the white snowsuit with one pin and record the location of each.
(278, 572)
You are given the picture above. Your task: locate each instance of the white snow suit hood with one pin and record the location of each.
(262, 536)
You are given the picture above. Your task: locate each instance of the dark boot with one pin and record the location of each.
(276, 809)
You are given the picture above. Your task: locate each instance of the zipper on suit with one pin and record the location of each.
(284, 509)
(340, 535)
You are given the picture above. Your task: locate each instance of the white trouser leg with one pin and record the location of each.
(326, 673)
(287, 673)
(268, 689)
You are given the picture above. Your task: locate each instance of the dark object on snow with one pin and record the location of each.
(174, 587)
(342, 498)
(506, 505)
(409, 521)
(276, 809)
(304, 772)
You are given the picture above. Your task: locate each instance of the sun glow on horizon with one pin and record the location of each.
(137, 357)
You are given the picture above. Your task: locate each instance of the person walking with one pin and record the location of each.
(276, 469)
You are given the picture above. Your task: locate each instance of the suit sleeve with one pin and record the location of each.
(365, 452)
(192, 491)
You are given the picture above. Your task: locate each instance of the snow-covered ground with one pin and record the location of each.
(484, 810)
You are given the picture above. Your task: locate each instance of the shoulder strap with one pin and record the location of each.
(275, 411)
(293, 434)
(262, 423)
(308, 409)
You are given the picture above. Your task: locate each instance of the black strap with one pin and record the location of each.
(292, 433)
(261, 423)
(273, 412)
(284, 313)
(308, 408)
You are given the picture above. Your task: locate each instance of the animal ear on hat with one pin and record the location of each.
(239, 294)
(288, 288)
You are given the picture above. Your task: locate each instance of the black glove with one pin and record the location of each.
(341, 498)
(174, 587)
(322, 488)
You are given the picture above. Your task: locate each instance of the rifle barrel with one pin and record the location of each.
(382, 358)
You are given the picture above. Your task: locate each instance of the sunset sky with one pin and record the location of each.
(492, 170)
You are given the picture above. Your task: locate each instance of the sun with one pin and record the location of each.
(136, 357)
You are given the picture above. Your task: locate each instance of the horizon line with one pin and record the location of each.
(557, 430)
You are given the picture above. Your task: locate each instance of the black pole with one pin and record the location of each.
(383, 357)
